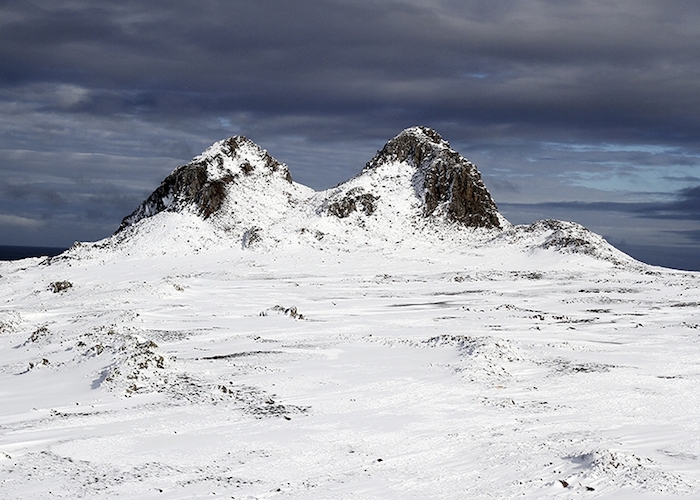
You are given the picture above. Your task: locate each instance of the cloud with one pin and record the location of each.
(623, 70)
(23, 192)
(693, 235)
(686, 205)
(111, 204)
(15, 220)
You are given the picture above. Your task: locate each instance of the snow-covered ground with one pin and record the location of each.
(456, 372)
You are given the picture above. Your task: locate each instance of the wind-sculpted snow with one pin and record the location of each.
(308, 373)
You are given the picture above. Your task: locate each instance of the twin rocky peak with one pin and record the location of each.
(416, 176)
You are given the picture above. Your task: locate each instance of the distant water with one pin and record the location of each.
(17, 252)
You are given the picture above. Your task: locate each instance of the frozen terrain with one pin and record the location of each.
(363, 342)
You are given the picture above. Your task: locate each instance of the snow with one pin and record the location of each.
(484, 372)
(287, 347)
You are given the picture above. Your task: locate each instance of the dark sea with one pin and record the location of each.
(16, 252)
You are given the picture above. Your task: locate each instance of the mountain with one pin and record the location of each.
(417, 192)
(233, 183)
(445, 183)
(417, 166)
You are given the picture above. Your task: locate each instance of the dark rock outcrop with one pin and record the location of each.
(203, 184)
(354, 199)
(447, 182)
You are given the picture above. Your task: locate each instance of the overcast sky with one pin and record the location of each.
(579, 110)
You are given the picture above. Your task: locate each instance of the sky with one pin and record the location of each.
(578, 110)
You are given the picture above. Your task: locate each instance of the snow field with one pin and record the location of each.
(476, 373)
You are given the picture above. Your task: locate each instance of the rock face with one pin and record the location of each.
(353, 200)
(204, 184)
(448, 183)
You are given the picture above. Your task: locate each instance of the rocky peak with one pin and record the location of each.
(448, 184)
(412, 145)
(203, 184)
(240, 156)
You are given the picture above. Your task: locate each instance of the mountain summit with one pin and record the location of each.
(222, 182)
(414, 179)
(447, 183)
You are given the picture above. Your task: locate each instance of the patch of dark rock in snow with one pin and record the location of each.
(188, 185)
(287, 311)
(60, 286)
(40, 335)
(133, 370)
(481, 356)
(564, 366)
(628, 469)
(251, 237)
(9, 320)
(239, 355)
(487, 347)
(354, 199)
(255, 401)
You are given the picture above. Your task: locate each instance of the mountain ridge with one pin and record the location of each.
(416, 192)
(446, 184)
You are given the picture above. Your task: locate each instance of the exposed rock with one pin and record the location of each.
(203, 184)
(287, 311)
(354, 199)
(252, 236)
(187, 185)
(60, 286)
(447, 182)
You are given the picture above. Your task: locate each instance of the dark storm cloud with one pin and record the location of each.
(629, 68)
(23, 192)
(692, 235)
(105, 203)
(110, 204)
(685, 205)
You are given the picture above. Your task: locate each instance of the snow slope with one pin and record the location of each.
(324, 357)
(330, 374)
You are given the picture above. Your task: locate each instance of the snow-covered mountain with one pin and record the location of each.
(417, 191)
(416, 175)
(243, 336)
(234, 184)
